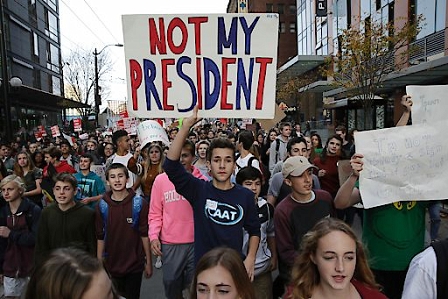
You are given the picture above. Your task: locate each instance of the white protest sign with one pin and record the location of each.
(100, 171)
(226, 64)
(429, 103)
(149, 131)
(403, 163)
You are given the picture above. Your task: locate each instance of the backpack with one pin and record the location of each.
(277, 147)
(441, 250)
(136, 208)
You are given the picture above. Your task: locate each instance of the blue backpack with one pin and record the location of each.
(136, 208)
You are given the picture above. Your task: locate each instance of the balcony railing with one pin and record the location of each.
(425, 47)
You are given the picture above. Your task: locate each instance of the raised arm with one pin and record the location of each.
(347, 194)
(407, 105)
(178, 142)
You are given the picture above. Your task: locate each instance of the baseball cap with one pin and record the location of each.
(295, 166)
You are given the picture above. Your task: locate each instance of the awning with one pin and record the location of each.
(318, 86)
(430, 72)
(345, 102)
(299, 65)
(29, 96)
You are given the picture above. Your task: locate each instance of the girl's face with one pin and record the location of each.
(38, 158)
(22, 160)
(315, 141)
(335, 259)
(216, 282)
(154, 155)
(272, 136)
(260, 138)
(202, 151)
(100, 287)
(108, 150)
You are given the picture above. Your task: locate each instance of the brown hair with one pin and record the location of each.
(18, 170)
(67, 274)
(305, 275)
(230, 260)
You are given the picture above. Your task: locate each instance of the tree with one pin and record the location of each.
(79, 77)
(368, 52)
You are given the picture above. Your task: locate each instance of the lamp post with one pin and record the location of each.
(97, 88)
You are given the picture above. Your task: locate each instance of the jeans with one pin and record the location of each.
(434, 215)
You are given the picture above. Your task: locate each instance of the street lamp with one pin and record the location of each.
(97, 88)
(14, 82)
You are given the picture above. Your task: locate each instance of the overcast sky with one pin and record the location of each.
(93, 24)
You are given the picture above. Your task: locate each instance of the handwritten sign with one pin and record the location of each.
(225, 64)
(403, 163)
(429, 103)
(149, 131)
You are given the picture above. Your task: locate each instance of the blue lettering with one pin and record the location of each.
(150, 87)
(211, 70)
(247, 32)
(242, 84)
(180, 72)
(223, 40)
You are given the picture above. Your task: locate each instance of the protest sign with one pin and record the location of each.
(55, 132)
(100, 171)
(403, 163)
(225, 64)
(149, 131)
(429, 104)
(77, 125)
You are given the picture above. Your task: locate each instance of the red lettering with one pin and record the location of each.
(177, 23)
(197, 22)
(135, 73)
(225, 84)
(199, 81)
(261, 80)
(166, 83)
(157, 41)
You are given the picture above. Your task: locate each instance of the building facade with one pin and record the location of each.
(30, 44)
(317, 38)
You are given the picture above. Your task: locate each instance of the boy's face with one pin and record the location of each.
(302, 184)
(117, 179)
(298, 149)
(222, 164)
(84, 163)
(11, 192)
(186, 158)
(49, 159)
(254, 186)
(64, 192)
(124, 142)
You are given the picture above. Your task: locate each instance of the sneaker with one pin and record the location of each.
(158, 263)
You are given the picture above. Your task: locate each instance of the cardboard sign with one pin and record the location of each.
(225, 64)
(77, 125)
(55, 132)
(429, 103)
(149, 131)
(403, 163)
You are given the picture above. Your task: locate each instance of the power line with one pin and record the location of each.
(88, 28)
(99, 19)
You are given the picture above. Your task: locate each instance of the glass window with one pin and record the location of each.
(292, 27)
(282, 28)
(281, 9)
(52, 26)
(440, 17)
(54, 54)
(292, 10)
(426, 8)
(365, 8)
(56, 85)
(269, 7)
(35, 44)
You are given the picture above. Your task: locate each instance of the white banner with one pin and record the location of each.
(403, 163)
(226, 64)
(429, 103)
(149, 131)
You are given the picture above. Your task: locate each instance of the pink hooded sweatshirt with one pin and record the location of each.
(170, 217)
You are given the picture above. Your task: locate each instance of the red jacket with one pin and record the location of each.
(63, 166)
(365, 291)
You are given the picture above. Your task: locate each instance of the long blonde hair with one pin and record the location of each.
(305, 275)
(147, 165)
